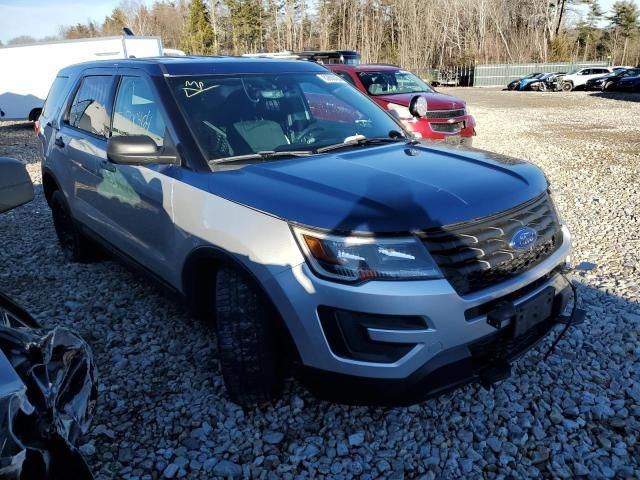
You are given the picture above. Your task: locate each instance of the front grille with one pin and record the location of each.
(477, 255)
(447, 127)
(458, 112)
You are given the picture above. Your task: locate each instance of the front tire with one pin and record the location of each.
(75, 246)
(607, 86)
(567, 86)
(247, 344)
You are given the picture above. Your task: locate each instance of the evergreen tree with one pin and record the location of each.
(624, 17)
(625, 23)
(113, 24)
(246, 23)
(198, 36)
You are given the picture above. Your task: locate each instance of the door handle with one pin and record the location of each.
(59, 142)
(107, 165)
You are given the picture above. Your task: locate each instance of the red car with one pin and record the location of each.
(392, 88)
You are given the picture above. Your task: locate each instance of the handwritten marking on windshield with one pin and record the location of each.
(193, 88)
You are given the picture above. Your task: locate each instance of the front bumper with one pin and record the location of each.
(436, 129)
(445, 341)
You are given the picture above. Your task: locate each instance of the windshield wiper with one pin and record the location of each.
(265, 155)
(359, 140)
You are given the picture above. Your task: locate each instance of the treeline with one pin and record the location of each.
(414, 33)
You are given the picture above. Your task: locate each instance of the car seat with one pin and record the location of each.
(249, 131)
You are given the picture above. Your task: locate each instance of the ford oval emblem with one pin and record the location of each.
(524, 239)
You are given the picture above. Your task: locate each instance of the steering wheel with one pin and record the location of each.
(306, 135)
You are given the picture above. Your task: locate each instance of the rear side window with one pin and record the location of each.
(55, 97)
(136, 111)
(90, 108)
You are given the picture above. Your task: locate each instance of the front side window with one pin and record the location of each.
(136, 111)
(233, 115)
(392, 82)
(90, 108)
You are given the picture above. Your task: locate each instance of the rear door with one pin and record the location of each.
(53, 157)
(82, 139)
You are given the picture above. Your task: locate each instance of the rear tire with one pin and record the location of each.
(567, 86)
(75, 246)
(247, 344)
(34, 114)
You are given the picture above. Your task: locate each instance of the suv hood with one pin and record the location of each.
(435, 101)
(391, 188)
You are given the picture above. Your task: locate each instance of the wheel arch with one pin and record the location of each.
(49, 185)
(34, 114)
(198, 283)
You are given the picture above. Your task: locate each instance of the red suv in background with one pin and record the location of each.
(392, 88)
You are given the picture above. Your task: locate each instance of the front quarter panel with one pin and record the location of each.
(264, 244)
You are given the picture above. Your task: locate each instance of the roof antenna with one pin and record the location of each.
(128, 32)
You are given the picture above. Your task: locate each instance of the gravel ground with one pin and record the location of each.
(163, 412)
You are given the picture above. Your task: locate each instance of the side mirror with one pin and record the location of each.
(15, 184)
(138, 150)
(418, 106)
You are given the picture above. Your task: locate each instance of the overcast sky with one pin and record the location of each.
(40, 18)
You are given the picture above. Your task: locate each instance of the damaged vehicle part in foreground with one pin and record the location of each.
(47, 379)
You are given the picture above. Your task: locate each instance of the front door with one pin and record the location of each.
(138, 199)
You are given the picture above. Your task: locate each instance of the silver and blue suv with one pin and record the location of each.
(298, 217)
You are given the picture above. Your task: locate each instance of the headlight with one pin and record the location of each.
(359, 259)
(399, 111)
(418, 106)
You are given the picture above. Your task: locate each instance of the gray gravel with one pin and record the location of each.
(163, 412)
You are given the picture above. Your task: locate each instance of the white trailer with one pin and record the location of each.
(27, 71)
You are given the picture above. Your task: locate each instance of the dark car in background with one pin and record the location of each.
(541, 83)
(629, 84)
(610, 81)
(514, 84)
(393, 88)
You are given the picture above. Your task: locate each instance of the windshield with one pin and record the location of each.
(391, 82)
(233, 115)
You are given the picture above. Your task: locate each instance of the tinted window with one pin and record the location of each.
(391, 82)
(90, 108)
(136, 111)
(347, 77)
(55, 97)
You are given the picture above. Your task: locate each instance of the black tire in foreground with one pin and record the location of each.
(75, 246)
(247, 344)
